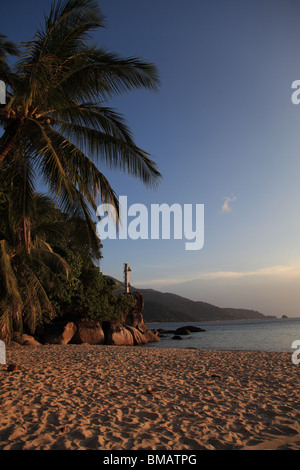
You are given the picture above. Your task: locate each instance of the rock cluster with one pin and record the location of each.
(132, 331)
(183, 330)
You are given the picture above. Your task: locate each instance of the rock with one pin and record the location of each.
(138, 337)
(176, 337)
(150, 336)
(194, 329)
(17, 337)
(30, 341)
(135, 320)
(24, 340)
(88, 331)
(135, 317)
(117, 334)
(14, 344)
(156, 332)
(59, 332)
(182, 331)
(12, 367)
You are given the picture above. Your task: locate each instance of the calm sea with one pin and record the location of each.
(247, 335)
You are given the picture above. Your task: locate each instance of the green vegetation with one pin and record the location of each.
(55, 273)
(56, 130)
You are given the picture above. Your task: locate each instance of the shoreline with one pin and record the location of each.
(83, 397)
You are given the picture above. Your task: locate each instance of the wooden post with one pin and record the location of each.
(126, 277)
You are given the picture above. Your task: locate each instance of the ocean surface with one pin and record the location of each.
(246, 335)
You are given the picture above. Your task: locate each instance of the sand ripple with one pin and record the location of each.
(108, 397)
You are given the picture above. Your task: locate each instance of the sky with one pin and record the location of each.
(224, 133)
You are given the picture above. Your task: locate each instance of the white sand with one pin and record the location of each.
(95, 397)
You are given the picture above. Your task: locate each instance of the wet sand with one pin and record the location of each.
(82, 397)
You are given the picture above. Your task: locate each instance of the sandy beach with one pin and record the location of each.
(78, 397)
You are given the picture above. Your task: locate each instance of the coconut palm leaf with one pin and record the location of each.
(54, 113)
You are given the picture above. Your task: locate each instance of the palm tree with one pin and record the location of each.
(55, 115)
(6, 48)
(23, 295)
(35, 236)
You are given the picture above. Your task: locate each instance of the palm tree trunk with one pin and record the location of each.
(27, 233)
(9, 138)
(7, 148)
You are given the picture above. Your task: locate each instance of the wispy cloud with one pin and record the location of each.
(279, 271)
(227, 201)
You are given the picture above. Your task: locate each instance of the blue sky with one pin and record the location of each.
(222, 125)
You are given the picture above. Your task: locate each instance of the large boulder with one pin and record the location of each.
(88, 331)
(134, 321)
(29, 340)
(138, 337)
(117, 334)
(134, 318)
(151, 336)
(59, 332)
(24, 339)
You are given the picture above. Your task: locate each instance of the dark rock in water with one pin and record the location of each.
(194, 329)
(176, 337)
(162, 331)
(183, 331)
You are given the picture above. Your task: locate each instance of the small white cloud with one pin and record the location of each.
(228, 200)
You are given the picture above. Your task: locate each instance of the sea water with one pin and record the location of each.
(246, 335)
